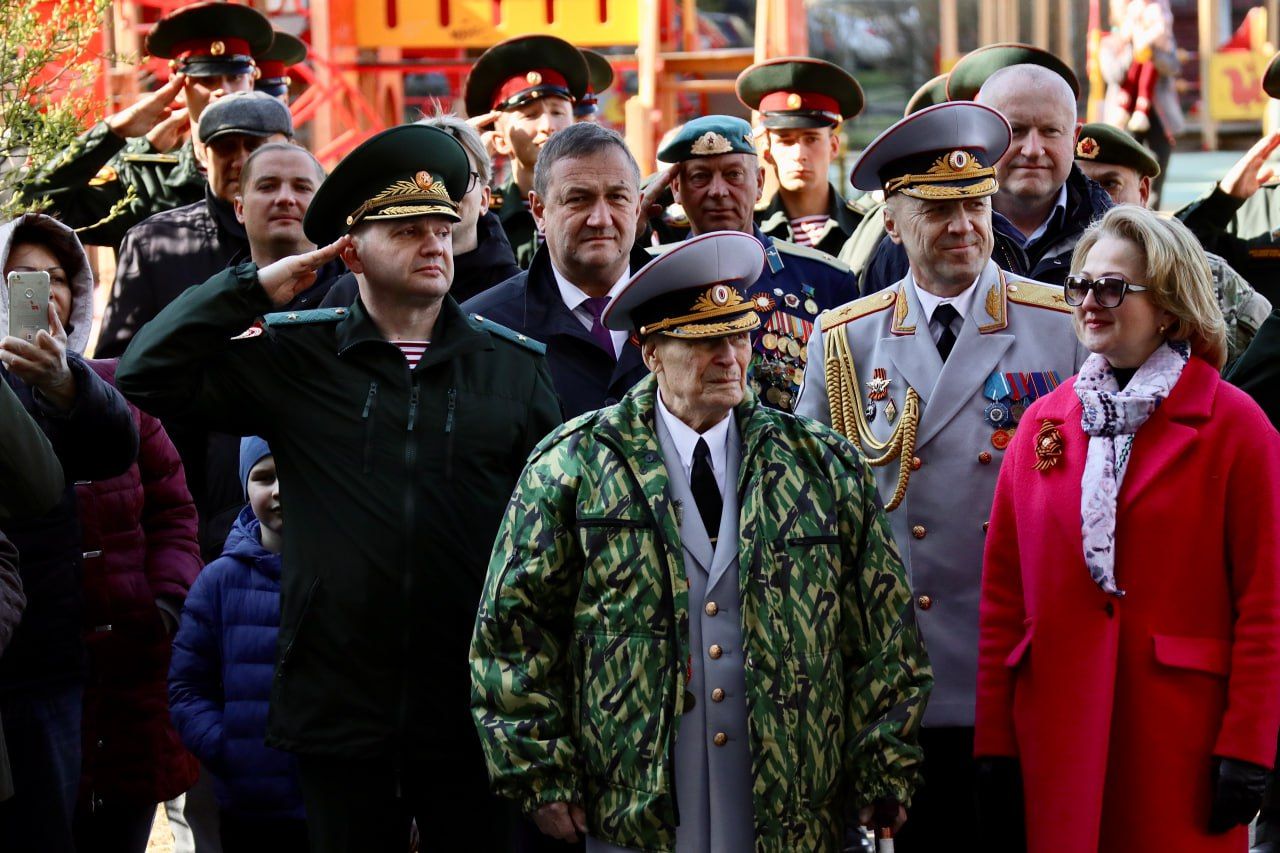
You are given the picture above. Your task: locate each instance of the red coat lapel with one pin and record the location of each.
(1170, 432)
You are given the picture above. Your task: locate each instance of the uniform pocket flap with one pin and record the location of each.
(1203, 654)
(1019, 651)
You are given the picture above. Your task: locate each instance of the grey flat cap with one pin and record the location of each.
(252, 113)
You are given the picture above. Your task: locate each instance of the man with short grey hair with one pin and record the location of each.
(1045, 202)
(586, 200)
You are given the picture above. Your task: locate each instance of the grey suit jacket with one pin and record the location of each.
(1013, 326)
(713, 776)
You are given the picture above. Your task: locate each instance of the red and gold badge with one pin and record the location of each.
(1048, 446)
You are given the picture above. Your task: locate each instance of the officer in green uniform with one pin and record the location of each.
(126, 167)
(600, 74)
(718, 181)
(400, 426)
(1239, 218)
(272, 74)
(531, 83)
(1126, 168)
(802, 104)
(123, 170)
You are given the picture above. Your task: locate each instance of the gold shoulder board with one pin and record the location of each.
(1040, 295)
(858, 308)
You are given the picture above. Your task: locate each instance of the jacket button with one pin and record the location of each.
(984, 457)
(919, 532)
(985, 525)
(925, 602)
(720, 739)
(712, 608)
(717, 695)
(715, 652)
(916, 463)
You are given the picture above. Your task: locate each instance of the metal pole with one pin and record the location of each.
(1207, 11)
(949, 33)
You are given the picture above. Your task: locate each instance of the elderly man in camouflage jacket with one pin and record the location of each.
(696, 634)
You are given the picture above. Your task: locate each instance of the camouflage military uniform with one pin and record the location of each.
(103, 185)
(1243, 308)
(580, 656)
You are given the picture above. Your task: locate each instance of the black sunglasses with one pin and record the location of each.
(1108, 290)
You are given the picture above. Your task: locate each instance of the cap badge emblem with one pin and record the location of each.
(711, 143)
(1087, 148)
(716, 297)
(958, 160)
(794, 101)
(533, 78)
(217, 48)
(423, 180)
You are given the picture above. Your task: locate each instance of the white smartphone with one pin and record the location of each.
(28, 304)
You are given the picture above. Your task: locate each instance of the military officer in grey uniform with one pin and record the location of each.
(930, 378)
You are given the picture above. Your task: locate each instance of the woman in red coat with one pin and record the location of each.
(1129, 655)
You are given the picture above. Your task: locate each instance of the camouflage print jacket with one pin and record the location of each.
(578, 660)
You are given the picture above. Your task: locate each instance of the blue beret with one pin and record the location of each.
(706, 137)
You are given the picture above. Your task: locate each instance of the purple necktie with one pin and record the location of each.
(595, 305)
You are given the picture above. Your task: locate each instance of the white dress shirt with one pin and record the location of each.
(929, 303)
(686, 438)
(574, 297)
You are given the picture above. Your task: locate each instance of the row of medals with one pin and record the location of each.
(1002, 415)
(773, 375)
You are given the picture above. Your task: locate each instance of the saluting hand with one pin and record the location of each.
(288, 277)
(562, 821)
(42, 363)
(144, 114)
(649, 206)
(484, 125)
(1252, 170)
(169, 133)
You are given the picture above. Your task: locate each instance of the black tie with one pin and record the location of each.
(943, 315)
(702, 482)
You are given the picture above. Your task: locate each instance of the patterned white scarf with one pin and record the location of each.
(1111, 418)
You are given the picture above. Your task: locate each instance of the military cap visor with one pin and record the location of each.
(210, 39)
(274, 62)
(696, 290)
(708, 136)
(519, 70)
(1102, 143)
(973, 69)
(407, 171)
(600, 74)
(1271, 77)
(947, 151)
(796, 92)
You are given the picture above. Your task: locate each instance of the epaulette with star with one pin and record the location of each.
(306, 318)
(511, 335)
(1026, 292)
(857, 309)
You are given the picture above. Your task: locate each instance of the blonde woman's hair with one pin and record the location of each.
(1177, 275)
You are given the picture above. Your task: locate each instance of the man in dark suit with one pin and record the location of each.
(586, 200)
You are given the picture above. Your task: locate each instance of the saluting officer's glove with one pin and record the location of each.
(1001, 818)
(1238, 787)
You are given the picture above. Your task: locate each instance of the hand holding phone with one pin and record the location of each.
(28, 304)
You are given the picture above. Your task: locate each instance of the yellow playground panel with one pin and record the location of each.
(481, 23)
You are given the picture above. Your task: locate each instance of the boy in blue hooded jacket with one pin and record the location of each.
(223, 661)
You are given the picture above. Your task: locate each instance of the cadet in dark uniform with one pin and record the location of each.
(1239, 218)
(532, 83)
(121, 170)
(600, 75)
(719, 182)
(802, 103)
(272, 74)
(399, 426)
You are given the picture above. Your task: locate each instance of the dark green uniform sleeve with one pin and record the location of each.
(1208, 217)
(520, 693)
(888, 677)
(1257, 372)
(29, 470)
(184, 362)
(102, 185)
